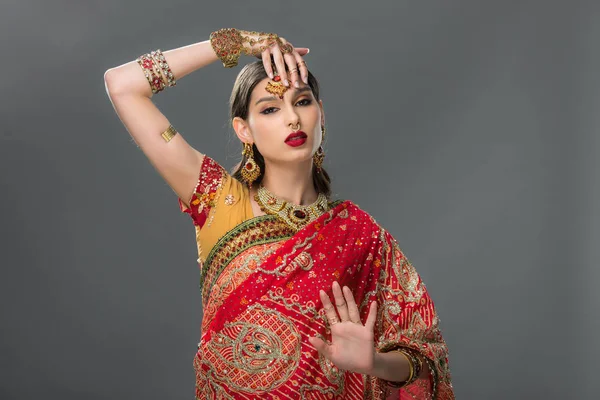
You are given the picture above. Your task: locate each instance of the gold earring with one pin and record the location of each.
(251, 170)
(318, 158)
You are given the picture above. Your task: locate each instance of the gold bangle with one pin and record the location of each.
(169, 134)
(414, 364)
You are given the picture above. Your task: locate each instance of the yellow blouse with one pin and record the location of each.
(219, 203)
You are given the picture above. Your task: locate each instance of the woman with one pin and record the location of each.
(303, 297)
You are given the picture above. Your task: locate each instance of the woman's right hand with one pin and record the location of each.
(265, 45)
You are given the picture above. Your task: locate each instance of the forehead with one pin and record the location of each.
(260, 91)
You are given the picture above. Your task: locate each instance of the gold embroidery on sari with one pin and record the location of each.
(292, 304)
(255, 340)
(208, 387)
(401, 291)
(235, 274)
(256, 353)
(306, 243)
(259, 230)
(307, 392)
(331, 372)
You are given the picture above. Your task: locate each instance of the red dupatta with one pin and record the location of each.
(255, 336)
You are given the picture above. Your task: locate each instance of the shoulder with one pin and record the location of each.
(358, 211)
(368, 221)
(211, 178)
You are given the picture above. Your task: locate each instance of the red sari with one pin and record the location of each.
(260, 289)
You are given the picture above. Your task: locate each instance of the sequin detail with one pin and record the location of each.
(261, 304)
(229, 199)
(206, 193)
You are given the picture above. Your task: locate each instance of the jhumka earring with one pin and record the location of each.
(251, 170)
(319, 156)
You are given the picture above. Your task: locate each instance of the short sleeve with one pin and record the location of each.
(206, 192)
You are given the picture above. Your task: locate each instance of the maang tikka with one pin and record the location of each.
(251, 170)
(319, 156)
(276, 87)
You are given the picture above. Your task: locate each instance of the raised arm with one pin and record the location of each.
(130, 93)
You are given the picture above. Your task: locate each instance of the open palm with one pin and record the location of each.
(352, 343)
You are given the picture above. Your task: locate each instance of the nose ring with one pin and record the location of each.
(297, 127)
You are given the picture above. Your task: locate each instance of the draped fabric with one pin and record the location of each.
(260, 290)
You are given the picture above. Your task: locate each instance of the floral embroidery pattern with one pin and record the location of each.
(207, 191)
(260, 288)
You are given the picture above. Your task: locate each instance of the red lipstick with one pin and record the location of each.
(296, 139)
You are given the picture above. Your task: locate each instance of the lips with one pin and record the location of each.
(296, 135)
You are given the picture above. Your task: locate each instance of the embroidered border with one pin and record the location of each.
(255, 231)
(207, 191)
(258, 230)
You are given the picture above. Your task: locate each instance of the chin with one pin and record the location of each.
(299, 156)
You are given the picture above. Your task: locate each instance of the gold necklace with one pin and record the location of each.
(296, 216)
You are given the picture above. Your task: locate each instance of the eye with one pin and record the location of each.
(267, 110)
(307, 101)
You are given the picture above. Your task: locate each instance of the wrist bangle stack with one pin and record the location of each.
(415, 365)
(160, 59)
(154, 66)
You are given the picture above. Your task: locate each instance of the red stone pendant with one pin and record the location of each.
(299, 214)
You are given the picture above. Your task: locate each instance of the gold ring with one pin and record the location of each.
(341, 305)
(294, 70)
(286, 48)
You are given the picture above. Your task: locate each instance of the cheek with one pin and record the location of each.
(264, 132)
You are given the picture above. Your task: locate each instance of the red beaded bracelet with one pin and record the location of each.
(147, 63)
(160, 59)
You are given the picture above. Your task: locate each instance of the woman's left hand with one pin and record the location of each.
(352, 345)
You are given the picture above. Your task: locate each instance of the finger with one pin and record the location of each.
(352, 307)
(287, 50)
(302, 66)
(293, 68)
(266, 58)
(328, 307)
(340, 302)
(280, 64)
(372, 317)
(320, 345)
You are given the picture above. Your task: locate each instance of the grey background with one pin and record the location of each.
(468, 129)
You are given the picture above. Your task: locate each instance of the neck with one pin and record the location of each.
(293, 185)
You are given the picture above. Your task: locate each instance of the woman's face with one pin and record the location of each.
(271, 119)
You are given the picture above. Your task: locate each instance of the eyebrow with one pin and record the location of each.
(270, 98)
